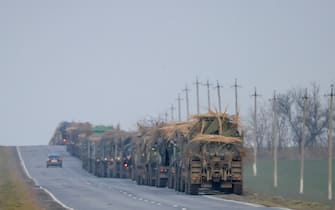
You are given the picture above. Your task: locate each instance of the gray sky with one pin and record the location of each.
(110, 62)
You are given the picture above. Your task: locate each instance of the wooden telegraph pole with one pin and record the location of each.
(208, 95)
(254, 167)
(166, 116)
(172, 108)
(197, 83)
(186, 90)
(218, 86)
(179, 107)
(330, 144)
(236, 103)
(302, 145)
(276, 139)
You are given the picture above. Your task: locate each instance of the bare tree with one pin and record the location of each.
(264, 123)
(291, 106)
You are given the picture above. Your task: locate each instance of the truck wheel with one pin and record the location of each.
(237, 189)
(194, 189)
(182, 186)
(138, 180)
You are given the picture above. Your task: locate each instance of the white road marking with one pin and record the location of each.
(238, 202)
(175, 206)
(22, 163)
(45, 190)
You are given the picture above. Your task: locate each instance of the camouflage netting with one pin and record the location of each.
(216, 124)
(116, 138)
(205, 134)
(95, 137)
(216, 138)
(69, 131)
(169, 129)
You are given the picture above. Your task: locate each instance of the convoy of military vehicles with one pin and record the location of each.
(200, 155)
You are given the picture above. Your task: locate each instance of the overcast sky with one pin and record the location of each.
(110, 62)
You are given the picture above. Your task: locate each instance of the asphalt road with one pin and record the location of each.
(80, 190)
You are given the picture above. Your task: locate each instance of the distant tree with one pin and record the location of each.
(291, 108)
(264, 123)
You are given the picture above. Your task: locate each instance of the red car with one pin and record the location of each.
(54, 160)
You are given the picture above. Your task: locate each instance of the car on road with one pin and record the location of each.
(55, 160)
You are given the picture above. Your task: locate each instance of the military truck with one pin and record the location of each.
(145, 155)
(172, 136)
(60, 135)
(116, 157)
(154, 154)
(210, 156)
(202, 154)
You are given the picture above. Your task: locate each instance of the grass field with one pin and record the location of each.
(13, 191)
(315, 180)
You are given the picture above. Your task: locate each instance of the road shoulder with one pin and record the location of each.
(275, 201)
(21, 191)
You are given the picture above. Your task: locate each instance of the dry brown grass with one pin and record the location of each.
(14, 193)
(277, 201)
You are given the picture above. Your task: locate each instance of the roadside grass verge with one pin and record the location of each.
(315, 194)
(14, 194)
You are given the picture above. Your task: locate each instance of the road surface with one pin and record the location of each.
(77, 189)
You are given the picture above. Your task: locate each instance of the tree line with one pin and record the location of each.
(289, 110)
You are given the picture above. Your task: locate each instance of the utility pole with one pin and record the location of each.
(89, 155)
(303, 136)
(172, 108)
(208, 95)
(166, 116)
(236, 103)
(254, 167)
(186, 90)
(218, 86)
(179, 107)
(330, 144)
(276, 139)
(197, 83)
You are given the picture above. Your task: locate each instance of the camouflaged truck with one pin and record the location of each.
(209, 156)
(145, 154)
(115, 154)
(172, 137)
